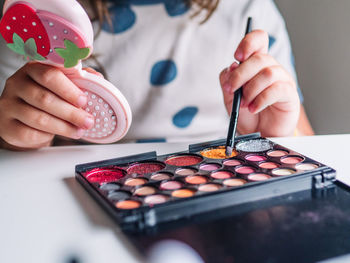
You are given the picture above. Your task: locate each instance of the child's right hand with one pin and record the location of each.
(37, 103)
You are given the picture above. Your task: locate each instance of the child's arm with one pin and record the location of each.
(270, 102)
(37, 103)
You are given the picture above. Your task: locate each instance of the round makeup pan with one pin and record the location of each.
(234, 182)
(145, 190)
(183, 193)
(145, 167)
(292, 159)
(244, 169)
(135, 181)
(183, 160)
(196, 179)
(232, 162)
(128, 204)
(209, 166)
(307, 166)
(209, 187)
(255, 158)
(171, 185)
(222, 175)
(259, 145)
(104, 175)
(277, 153)
(268, 165)
(257, 177)
(161, 176)
(283, 171)
(185, 171)
(217, 153)
(156, 199)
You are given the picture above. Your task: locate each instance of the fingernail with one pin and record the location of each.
(227, 87)
(89, 122)
(79, 133)
(233, 66)
(239, 55)
(82, 100)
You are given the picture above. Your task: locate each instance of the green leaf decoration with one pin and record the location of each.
(72, 53)
(27, 49)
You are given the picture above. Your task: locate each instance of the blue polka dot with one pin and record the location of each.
(155, 140)
(272, 41)
(163, 72)
(122, 17)
(184, 117)
(176, 7)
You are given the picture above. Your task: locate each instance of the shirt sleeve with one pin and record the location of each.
(268, 18)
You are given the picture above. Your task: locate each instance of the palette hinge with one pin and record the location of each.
(324, 180)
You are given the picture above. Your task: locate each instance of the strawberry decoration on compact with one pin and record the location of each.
(59, 33)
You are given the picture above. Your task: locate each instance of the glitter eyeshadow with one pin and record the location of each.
(222, 175)
(260, 145)
(104, 175)
(170, 185)
(307, 166)
(277, 153)
(160, 176)
(183, 193)
(245, 169)
(144, 168)
(209, 167)
(128, 204)
(145, 190)
(156, 199)
(292, 159)
(268, 165)
(209, 187)
(217, 153)
(183, 160)
(232, 162)
(255, 158)
(196, 179)
(283, 171)
(258, 177)
(185, 171)
(234, 182)
(135, 181)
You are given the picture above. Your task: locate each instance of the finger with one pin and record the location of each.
(248, 69)
(45, 122)
(47, 101)
(93, 71)
(25, 137)
(224, 76)
(265, 78)
(54, 80)
(279, 92)
(255, 42)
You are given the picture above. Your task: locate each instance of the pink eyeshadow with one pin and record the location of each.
(232, 162)
(171, 185)
(258, 177)
(255, 158)
(209, 167)
(245, 170)
(268, 165)
(103, 175)
(277, 153)
(222, 175)
(292, 159)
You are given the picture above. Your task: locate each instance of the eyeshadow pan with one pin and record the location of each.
(268, 165)
(183, 160)
(258, 177)
(255, 158)
(277, 153)
(217, 153)
(222, 175)
(183, 193)
(171, 185)
(196, 179)
(104, 175)
(185, 171)
(259, 145)
(232, 162)
(292, 159)
(160, 176)
(209, 187)
(118, 195)
(128, 204)
(245, 169)
(110, 186)
(145, 190)
(307, 166)
(144, 168)
(135, 181)
(283, 171)
(156, 199)
(209, 166)
(234, 182)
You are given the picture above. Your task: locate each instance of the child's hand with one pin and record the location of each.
(38, 102)
(270, 102)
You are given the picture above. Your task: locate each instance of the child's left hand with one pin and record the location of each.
(270, 102)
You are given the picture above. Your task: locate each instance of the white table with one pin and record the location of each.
(46, 216)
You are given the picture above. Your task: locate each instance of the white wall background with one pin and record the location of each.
(320, 36)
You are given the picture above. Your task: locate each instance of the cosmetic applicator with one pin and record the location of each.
(230, 141)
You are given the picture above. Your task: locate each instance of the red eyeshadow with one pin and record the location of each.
(183, 160)
(103, 175)
(144, 168)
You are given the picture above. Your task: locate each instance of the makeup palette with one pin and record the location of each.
(144, 190)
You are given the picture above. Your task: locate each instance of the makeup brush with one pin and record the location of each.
(230, 141)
